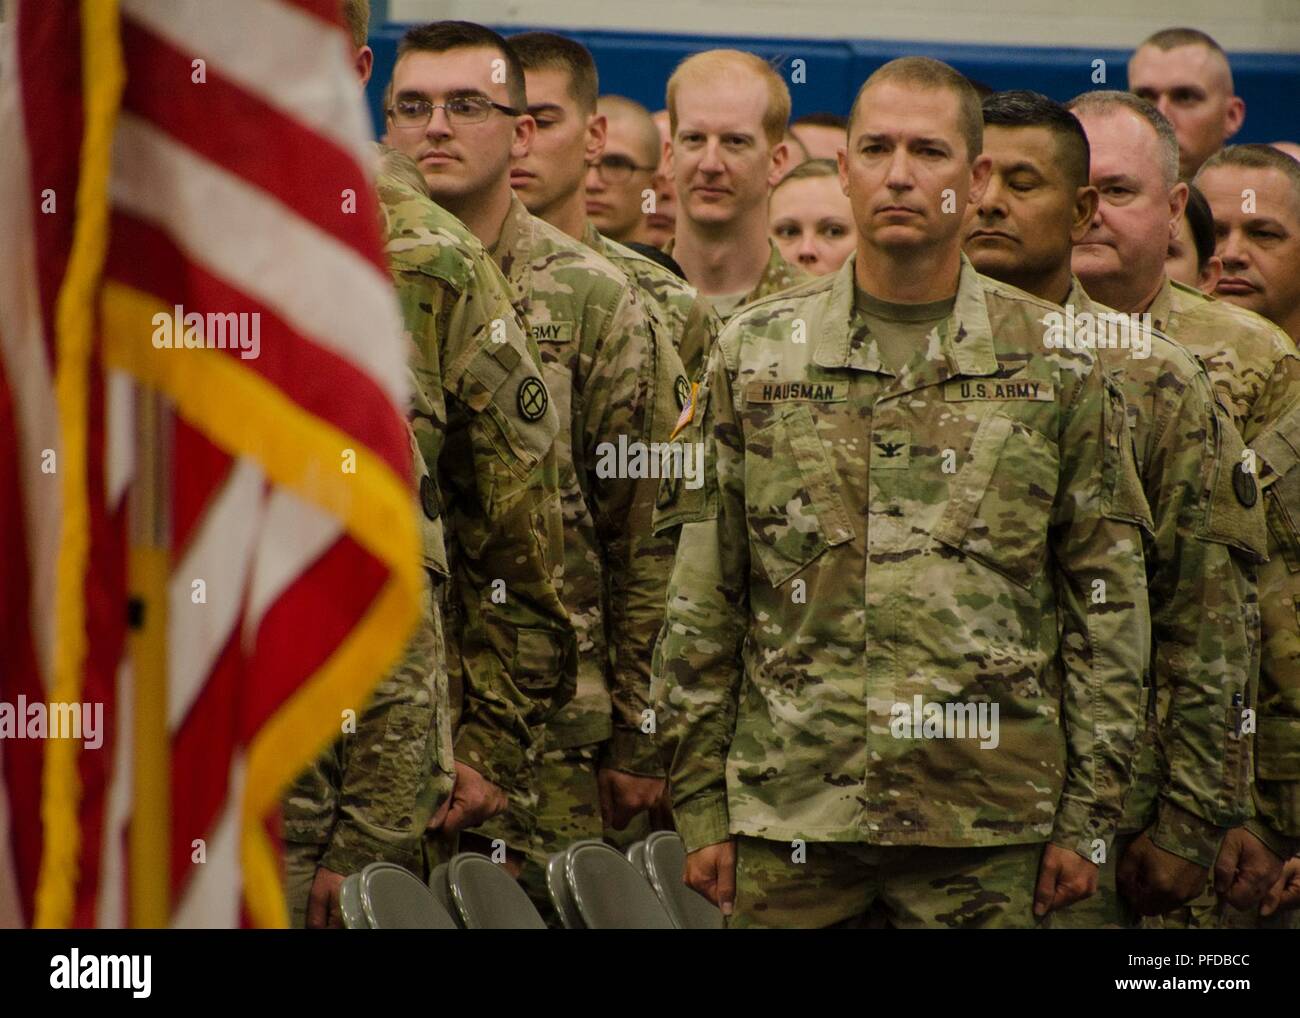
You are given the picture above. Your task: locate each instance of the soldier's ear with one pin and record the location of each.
(980, 171)
(597, 137)
(1178, 196)
(525, 132)
(1086, 200)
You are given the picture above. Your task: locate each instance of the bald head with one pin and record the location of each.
(1185, 74)
(634, 126)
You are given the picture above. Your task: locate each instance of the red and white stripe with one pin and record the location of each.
(227, 195)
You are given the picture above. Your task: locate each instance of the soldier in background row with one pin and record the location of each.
(1201, 543)
(728, 111)
(1255, 372)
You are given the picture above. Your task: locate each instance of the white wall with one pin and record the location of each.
(1243, 25)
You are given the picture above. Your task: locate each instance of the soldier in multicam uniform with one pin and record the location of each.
(551, 181)
(728, 111)
(608, 375)
(1254, 369)
(1261, 272)
(1192, 781)
(487, 480)
(898, 500)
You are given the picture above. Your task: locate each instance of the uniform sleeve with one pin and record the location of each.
(396, 768)
(698, 668)
(628, 395)
(1277, 738)
(1096, 543)
(699, 333)
(1204, 617)
(510, 638)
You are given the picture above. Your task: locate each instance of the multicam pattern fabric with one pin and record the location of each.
(1192, 780)
(868, 548)
(688, 319)
(1254, 365)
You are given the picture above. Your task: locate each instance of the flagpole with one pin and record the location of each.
(148, 570)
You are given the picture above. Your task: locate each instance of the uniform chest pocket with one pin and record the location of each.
(792, 500)
(1001, 501)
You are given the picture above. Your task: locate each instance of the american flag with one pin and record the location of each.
(220, 549)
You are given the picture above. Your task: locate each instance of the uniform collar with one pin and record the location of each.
(513, 250)
(1078, 297)
(965, 339)
(778, 275)
(1163, 306)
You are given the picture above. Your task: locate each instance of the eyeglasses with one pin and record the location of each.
(469, 109)
(617, 169)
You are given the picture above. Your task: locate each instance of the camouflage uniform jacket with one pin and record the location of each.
(687, 317)
(492, 506)
(1254, 365)
(1200, 554)
(778, 275)
(616, 382)
(863, 542)
(369, 796)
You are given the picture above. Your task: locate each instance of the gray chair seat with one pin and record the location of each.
(486, 897)
(384, 896)
(636, 856)
(442, 890)
(557, 886)
(665, 858)
(608, 891)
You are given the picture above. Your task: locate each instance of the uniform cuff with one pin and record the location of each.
(351, 849)
(1186, 835)
(497, 759)
(702, 821)
(1279, 844)
(633, 752)
(1078, 828)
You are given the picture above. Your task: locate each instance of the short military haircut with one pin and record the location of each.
(1106, 101)
(1172, 38)
(1200, 220)
(445, 36)
(1022, 108)
(648, 141)
(1258, 157)
(726, 64)
(930, 74)
(547, 51)
(356, 15)
(809, 170)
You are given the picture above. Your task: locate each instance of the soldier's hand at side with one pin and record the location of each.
(1154, 880)
(1285, 893)
(1064, 877)
(323, 901)
(711, 871)
(623, 796)
(474, 800)
(1245, 870)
